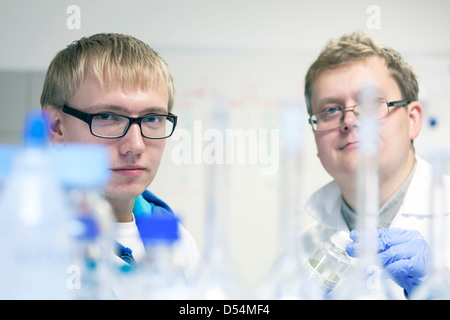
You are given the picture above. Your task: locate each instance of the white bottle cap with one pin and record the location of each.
(341, 239)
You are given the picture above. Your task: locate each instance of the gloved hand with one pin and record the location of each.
(403, 254)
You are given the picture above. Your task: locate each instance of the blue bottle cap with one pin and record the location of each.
(158, 229)
(87, 228)
(35, 129)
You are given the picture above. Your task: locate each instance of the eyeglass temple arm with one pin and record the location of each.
(398, 103)
(76, 113)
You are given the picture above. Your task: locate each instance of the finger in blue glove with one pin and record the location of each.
(354, 248)
(403, 254)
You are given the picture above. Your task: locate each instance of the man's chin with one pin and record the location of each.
(123, 193)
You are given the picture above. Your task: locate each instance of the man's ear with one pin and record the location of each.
(53, 115)
(415, 119)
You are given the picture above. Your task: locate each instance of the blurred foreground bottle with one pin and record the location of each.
(34, 220)
(53, 225)
(92, 244)
(160, 274)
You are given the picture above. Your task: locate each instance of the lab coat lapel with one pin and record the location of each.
(325, 206)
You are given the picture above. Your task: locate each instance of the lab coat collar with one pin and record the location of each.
(325, 204)
(416, 202)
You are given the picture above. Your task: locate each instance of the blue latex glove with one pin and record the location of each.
(403, 254)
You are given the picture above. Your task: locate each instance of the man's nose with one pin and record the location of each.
(349, 119)
(132, 141)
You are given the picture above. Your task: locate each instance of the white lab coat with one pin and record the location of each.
(414, 214)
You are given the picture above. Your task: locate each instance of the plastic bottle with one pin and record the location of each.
(91, 227)
(160, 274)
(329, 263)
(33, 223)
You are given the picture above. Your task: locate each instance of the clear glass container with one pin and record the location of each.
(328, 264)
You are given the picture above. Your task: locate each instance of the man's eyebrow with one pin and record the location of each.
(123, 110)
(330, 99)
(321, 103)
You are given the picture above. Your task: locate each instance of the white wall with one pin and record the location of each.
(253, 54)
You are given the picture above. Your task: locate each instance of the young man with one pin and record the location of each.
(115, 90)
(332, 85)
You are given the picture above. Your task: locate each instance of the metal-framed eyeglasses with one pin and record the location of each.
(111, 126)
(333, 115)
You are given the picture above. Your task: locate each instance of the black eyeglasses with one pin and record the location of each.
(111, 126)
(333, 115)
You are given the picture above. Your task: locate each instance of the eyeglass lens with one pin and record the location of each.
(110, 125)
(332, 117)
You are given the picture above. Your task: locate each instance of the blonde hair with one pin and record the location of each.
(110, 55)
(357, 46)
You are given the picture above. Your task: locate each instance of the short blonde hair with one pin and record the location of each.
(110, 55)
(357, 46)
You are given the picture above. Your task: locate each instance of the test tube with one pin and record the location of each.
(217, 278)
(287, 278)
(365, 280)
